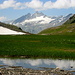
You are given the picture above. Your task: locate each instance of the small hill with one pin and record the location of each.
(12, 27)
(68, 28)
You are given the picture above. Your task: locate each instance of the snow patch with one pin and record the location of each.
(6, 31)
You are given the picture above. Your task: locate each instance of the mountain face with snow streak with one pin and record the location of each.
(35, 23)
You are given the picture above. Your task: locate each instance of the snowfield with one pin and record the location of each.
(6, 31)
(44, 20)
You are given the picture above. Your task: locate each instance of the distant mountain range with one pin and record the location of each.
(37, 22)
(68, 28)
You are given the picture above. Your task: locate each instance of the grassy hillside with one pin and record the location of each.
(12, 27)
(68, 28)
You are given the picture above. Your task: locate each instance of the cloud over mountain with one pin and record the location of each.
(38, 5)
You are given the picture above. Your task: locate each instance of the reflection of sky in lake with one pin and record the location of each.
(34, 63)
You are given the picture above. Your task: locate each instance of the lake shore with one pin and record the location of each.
(18, 70)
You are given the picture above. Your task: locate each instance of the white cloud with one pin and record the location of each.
(7, 4)
(11, 3)
(62, 4)
(38, 5)
(2, 18)
(35, 4)
(48, 5)
(59, 4)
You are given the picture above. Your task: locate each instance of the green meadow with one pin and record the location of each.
(43, 46)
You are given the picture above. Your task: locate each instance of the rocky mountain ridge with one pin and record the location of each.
(35, 23)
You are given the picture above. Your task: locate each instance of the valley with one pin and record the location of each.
(37, 37)
(54, 42)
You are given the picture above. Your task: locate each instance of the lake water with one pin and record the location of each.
(35, 63)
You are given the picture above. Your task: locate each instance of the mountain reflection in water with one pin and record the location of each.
(35, 63)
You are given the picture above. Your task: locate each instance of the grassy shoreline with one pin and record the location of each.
(42, 46)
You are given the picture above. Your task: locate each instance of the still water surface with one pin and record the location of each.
(35, 63)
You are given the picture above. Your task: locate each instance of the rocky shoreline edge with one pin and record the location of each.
(18, 70)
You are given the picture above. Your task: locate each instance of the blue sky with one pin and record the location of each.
(12, 9)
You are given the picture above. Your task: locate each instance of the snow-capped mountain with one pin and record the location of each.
(35, 23)
(36, 17)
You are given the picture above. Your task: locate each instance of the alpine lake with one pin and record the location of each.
(39, 64)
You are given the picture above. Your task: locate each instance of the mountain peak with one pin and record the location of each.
(37, 14)
(29, 14)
